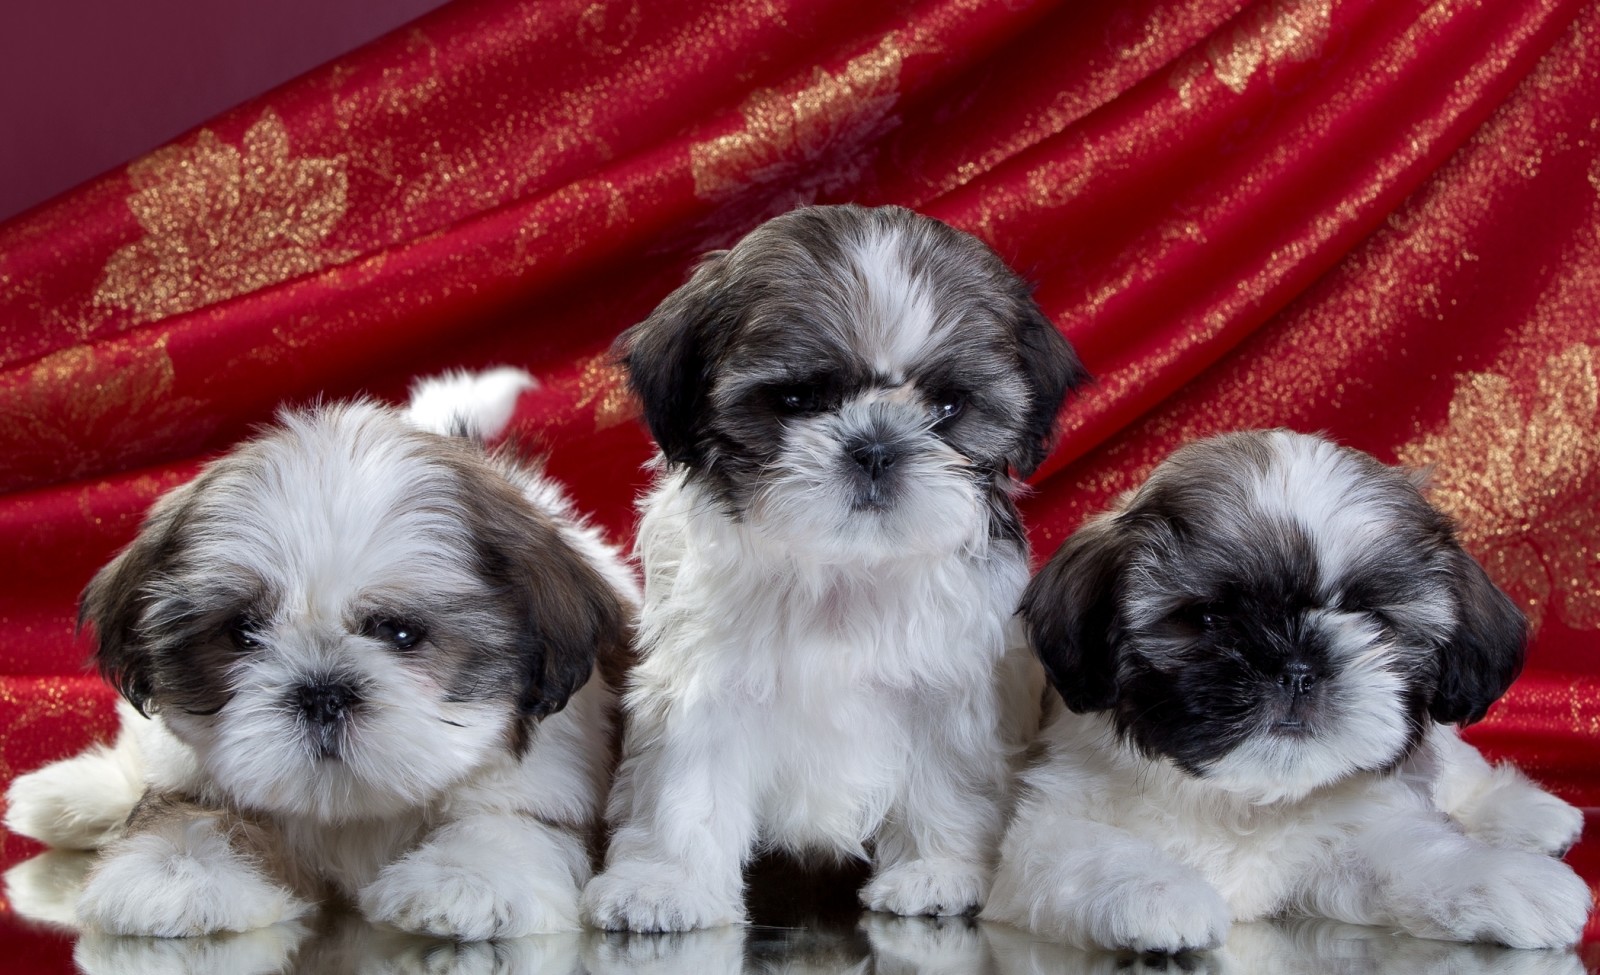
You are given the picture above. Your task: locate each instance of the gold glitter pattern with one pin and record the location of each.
(1521, 475)
(1265, 34)
(118, 392)
(789, 132)
(222, 221)
(601, 385)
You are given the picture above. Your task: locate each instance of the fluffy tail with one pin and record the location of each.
(468, 404)
(80, 803)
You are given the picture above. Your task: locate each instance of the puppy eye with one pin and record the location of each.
(946, 407)
(397, 633)
(799, 398)
(242, 630)
(1205, 616)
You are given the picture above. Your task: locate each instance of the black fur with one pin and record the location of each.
(1485, 654)
(1070, 612)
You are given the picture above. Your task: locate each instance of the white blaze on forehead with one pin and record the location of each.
(342, 500)
(1320, 487)
(898, 322)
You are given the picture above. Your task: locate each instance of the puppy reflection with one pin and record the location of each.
(366, 650)
(1304, 946)
(1249, 647)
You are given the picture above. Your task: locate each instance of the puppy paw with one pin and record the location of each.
(927, 887)
(1165, 915)
(1518, 815)
(179, 883)
(1508, 897)
(429, 892)
(633, 896)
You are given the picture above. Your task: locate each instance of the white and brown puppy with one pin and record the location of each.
(365, 647)
(832, 561)
(1251, 647)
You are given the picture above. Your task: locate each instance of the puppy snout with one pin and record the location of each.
(875, 457)
(326, 703)
(1298, 678)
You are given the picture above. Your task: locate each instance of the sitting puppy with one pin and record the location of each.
(832, 561)
(365, 647)
(1250, 646)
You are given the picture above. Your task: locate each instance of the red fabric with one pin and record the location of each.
(1374, 218)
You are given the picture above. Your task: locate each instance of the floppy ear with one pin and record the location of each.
(1052, 370)
(565, 613)
(113, 602)
(1485, 652)
(668, 363)
(1070, 612)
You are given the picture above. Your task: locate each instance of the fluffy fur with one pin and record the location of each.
(365, 649)
(1252, 648)
(832, 560)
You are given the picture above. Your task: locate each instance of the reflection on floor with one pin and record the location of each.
(829, 940)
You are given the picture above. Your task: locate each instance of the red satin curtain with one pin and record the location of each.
(1374, 218)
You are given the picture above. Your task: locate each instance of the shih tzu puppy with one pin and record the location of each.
(832, 561)
(1256, 650)
(365, 647)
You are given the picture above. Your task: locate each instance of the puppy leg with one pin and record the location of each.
(1096, 886)
(934, 853)
(687, 824)
(487, 875)
(1427, 878)
(1497, 803)
(183, 871)
(79, 803)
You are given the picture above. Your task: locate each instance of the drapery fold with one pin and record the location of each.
(1374, 218)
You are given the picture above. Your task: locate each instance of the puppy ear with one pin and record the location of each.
(1485, 652)
(1053, 370)
(1069, 610)
(564, 612)
(668, 363)
(113, 602)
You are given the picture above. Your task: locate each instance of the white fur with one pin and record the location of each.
(1496, 803)
(79, 803)
(429, 821)
(476, 404)
(1115, 847)
(811, 707)
(1104, 838)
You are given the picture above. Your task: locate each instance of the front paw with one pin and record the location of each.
(1518, 815)
(927, 887)
(1509, 897)
(634, 896)
(430, 892)
(181, 883)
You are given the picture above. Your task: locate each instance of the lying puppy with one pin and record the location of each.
(832, 562)
(1250, 646)
(365, 648)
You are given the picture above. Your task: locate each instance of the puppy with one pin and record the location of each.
(365, 649)
(1249, 647)
(832, 561)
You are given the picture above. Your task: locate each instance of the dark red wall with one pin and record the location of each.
(86, 85)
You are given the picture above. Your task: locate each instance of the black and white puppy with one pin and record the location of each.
(832, 561)
(365, 649)
(1259, 649)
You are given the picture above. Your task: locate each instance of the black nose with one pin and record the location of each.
(1298, 677)
(326, 704)
(874, 458)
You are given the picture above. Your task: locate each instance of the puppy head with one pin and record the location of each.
(1272, 612)
(852, 380)
(347, 614)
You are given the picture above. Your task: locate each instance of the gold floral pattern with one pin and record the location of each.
(1521, 475)
(1268, 33)
(118, 393)
(806, 132)
(221, 221)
